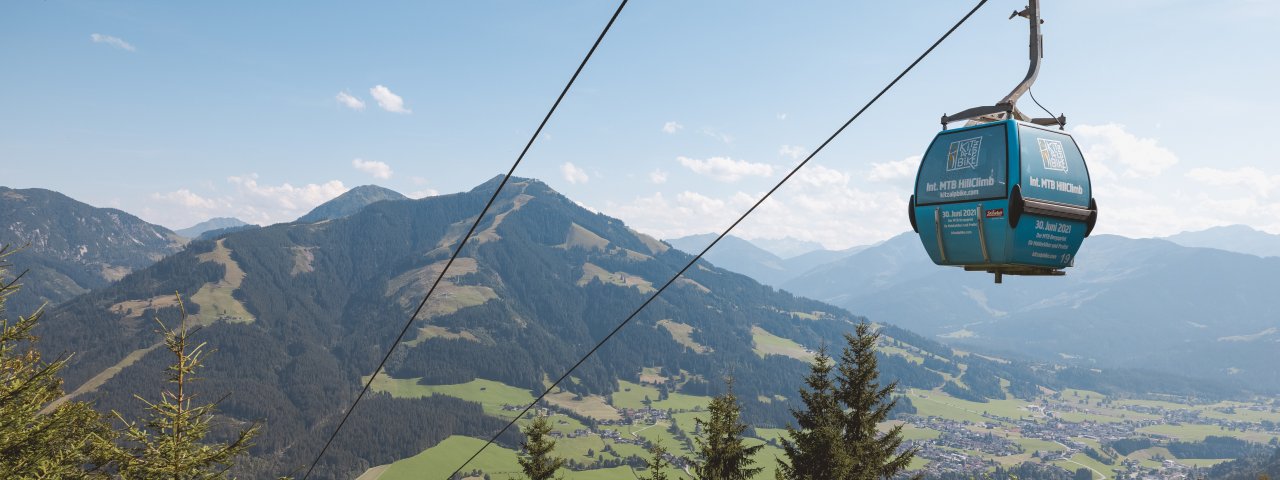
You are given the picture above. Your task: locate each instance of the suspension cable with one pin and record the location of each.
(463, 242)
(721, 236)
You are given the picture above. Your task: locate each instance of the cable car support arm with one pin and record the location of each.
(1007, 107)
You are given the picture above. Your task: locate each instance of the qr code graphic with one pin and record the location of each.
(1053, 155)
(964, 154)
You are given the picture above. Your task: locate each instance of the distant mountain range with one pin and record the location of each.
(216, 223)
(73, 247)
(299, 312)
(350, 202)
(745, 257)
(218, 232)
(1232, 238)
(787, 247)
(1137, 303)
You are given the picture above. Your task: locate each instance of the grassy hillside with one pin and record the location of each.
(300, 313)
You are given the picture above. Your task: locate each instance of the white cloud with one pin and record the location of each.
(646, 207)
(671, 127)
(1138, 197)
(820, 176)
(895, 170)
(701, 204)
(258, 203)
(782, 116)
(658, 176)
(1115, 151)
(1252, 211)
(373, 167)
(247, 199)
(387, 100)
(1251, 178)
(726, 169)
(792, 151)
(573, 174)
(821, 204)
(430, 192)
(113, 41)
(349, 101)
(824, 209)
(186, 199)
(723, 137)
(1142, 187)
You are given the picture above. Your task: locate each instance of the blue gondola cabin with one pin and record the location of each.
(1004, 197)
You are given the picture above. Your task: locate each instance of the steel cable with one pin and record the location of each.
(466, 237)
(722, 235)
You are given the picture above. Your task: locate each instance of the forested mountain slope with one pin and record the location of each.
(298, 313)
(350, 202)
(216, 223)
(73, 247)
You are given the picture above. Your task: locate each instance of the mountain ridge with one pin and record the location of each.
(787, 247)
(311, 307)
(215, 223)
(69, 247)
(349, 203)
(746, 257)
(1232, 238)
(1140, 303)
(300, 314)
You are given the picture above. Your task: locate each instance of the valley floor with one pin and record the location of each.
(606, 437)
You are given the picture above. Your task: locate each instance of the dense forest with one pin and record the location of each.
(316, 331)
(1255, 466)
(543, 280)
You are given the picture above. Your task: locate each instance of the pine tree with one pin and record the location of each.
(169, 444)
(837, 436)
(657, 462)
(722, 453)
(815, 449)
(874, 455)
(537, 462)
(37, 438)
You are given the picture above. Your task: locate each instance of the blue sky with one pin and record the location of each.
(181, 112)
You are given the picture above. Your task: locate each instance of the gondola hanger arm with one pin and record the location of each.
(1007, 107)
